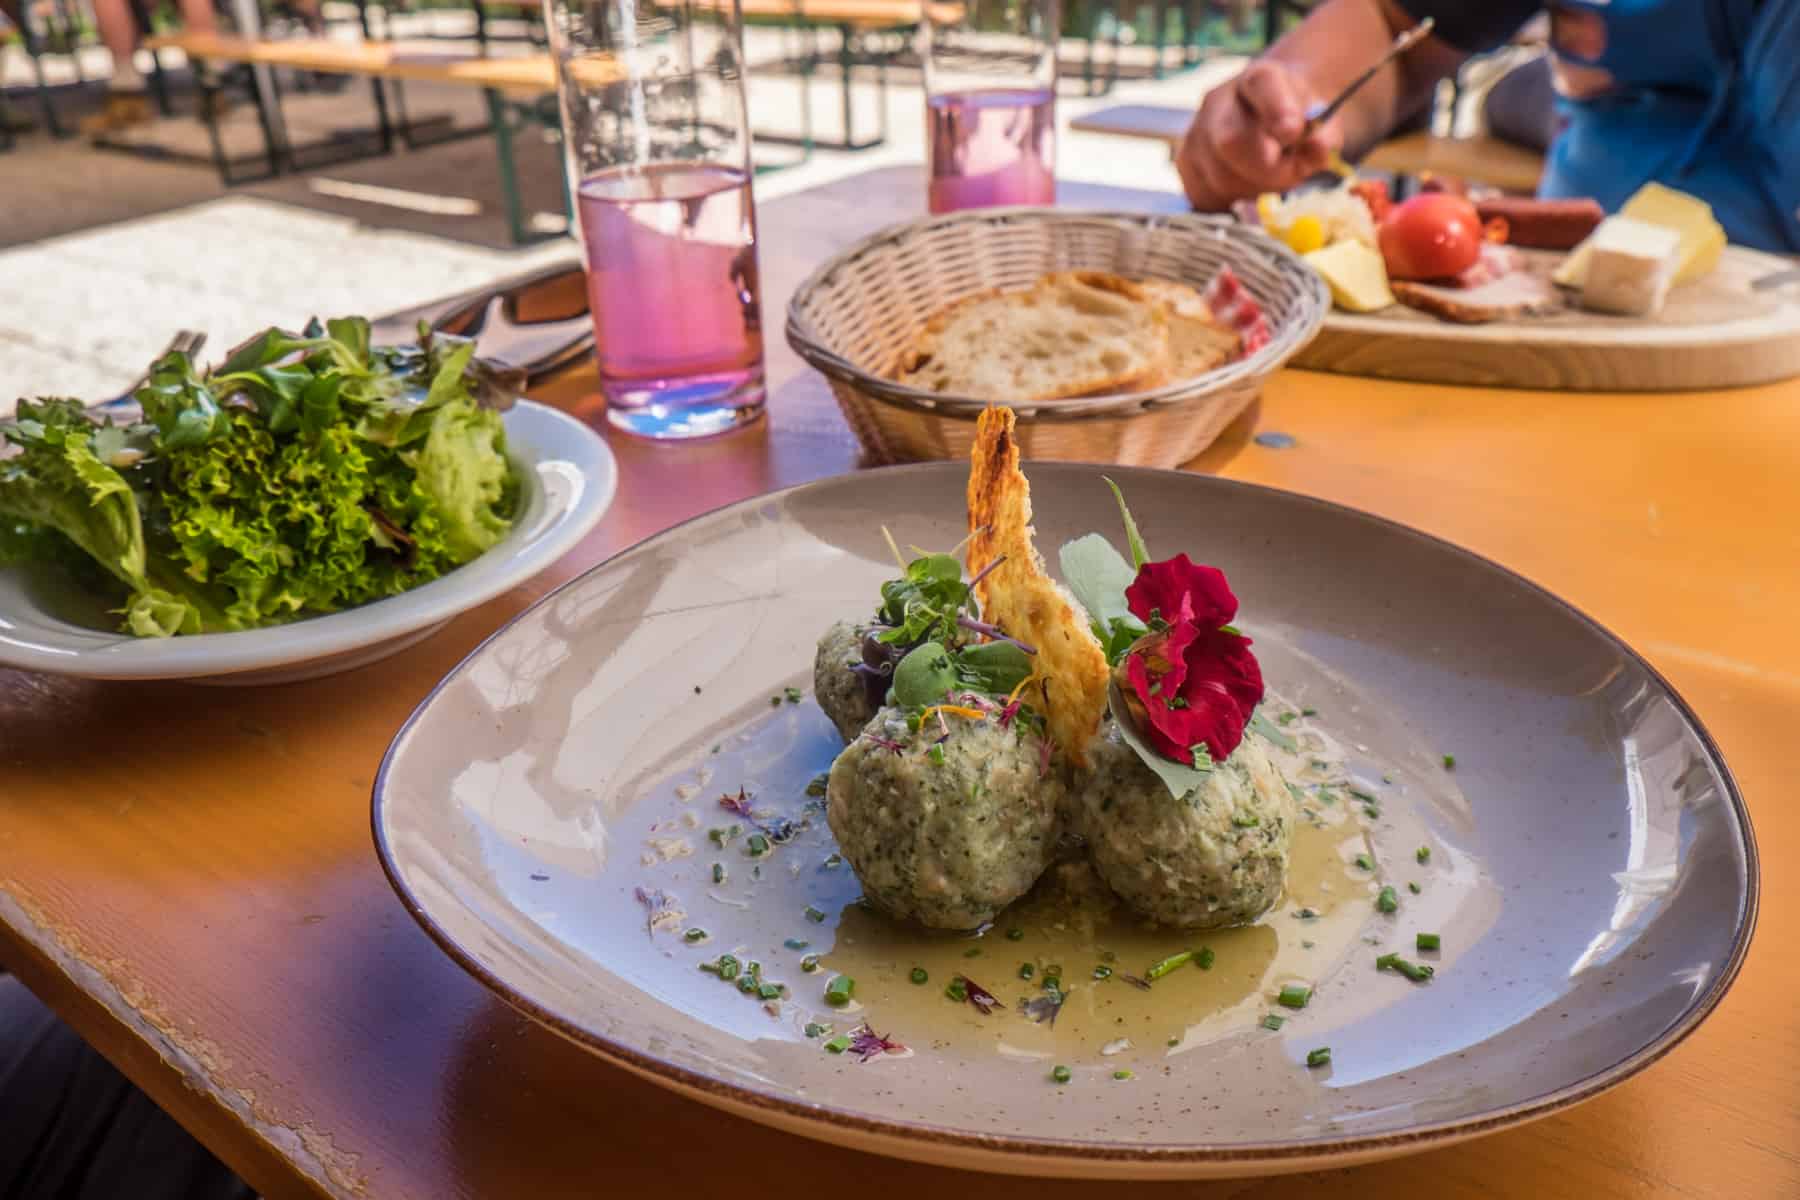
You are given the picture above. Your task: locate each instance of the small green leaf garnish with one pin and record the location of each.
(1140, 554)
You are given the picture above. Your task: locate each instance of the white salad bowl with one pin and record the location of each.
(567, 478)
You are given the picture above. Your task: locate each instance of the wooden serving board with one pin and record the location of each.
(1713, 333)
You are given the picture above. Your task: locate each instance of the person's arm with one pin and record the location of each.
(1245, 138)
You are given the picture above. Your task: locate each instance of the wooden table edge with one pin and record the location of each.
(167, 1066)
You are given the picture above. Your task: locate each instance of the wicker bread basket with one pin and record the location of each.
(855, 314)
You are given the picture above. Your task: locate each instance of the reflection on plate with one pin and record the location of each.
(552, 815)
(567, 477)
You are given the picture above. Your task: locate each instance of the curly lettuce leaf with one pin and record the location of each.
(463, 472)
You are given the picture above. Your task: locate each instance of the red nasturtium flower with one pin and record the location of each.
(1195, 683)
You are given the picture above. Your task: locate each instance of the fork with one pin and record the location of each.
(185, 341)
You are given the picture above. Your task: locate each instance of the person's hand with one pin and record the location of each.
(1246, 138)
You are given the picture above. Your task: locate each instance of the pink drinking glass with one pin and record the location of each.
(990, 103)
(657, 147)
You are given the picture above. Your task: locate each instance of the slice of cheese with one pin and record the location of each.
(1630, 266)
(1355, 274)
(1702, 238)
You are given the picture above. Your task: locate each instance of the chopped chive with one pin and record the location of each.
(1205, 959)
(1061, 1074)
(972, 952)
(770, 991)
(1362, 795)
(955, 990)
(1053, 975)
(1102, 972)
(1372, 811)
(791, 695)
(913, 722)
(1309, 712)
(814, 1029)
(1387, 900)
(832, 862)
(810, 963)
(1423, 854)
(1122, 1074)
(711, 968)
(1288, 718)
(796, 943)
(1026, 970)
(1158, 970)
(1244, 820)
(774, 701)
(1273, 1022)
(1294, 995)
(920, 975)
(718, 873)
(1427, 941)
(815, 915)
(694, 934)
(756, 845)
(1014, 935)
(1306, 914)
(838, 1044)
(747, 984)
(728, 967)
(936, 755)
(1306, 945)
(839, 990)
(1449, 762)
(1174, 1041)
(1365, 862)
(1417, 972)
(816, 785)
(1414, 888)
(1319, 1058)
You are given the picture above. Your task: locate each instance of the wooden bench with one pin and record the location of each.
(1480, 159)
(517, 86)
(518, 90)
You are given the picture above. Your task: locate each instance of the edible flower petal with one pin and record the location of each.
(865, 1043)
(1177, 589)
(1192, 682)
(984, 1000)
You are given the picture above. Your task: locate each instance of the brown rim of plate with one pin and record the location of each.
(1153, 1154)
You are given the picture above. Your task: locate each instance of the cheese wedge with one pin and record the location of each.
(1631, 264)
(1355, 274)
(1702, 238)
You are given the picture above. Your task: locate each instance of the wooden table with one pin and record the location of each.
(186, 873)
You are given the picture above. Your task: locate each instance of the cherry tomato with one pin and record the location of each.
(1431, 236)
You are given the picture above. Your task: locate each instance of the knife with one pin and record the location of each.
(493, 316)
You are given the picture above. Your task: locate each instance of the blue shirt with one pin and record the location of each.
(1701, 95)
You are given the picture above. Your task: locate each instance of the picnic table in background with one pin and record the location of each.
(188, 875)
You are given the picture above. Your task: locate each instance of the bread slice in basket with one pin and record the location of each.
(1072, 333)
(1198, 341)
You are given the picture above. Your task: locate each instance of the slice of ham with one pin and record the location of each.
(1235, 308)
(1501, 298)
(1496, 262)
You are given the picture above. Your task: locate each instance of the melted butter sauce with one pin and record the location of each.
(1362, 789)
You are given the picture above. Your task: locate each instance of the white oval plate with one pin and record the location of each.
(1592, 871)
(567, 479)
